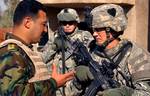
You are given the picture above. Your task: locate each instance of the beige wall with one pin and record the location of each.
(50, 2)
(137, 13)
(141, 10)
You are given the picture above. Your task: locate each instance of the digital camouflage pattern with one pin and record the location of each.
(135, 64)
(135, 61)
(50, 54)
(109, 15)
(68, 14)
(16, 69)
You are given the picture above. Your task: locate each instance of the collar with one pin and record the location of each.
(110, 52)
(12, 36)
(75, 31)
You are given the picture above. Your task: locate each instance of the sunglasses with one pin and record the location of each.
(64, 23)
(98, 29)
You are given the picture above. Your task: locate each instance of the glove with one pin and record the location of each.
(58, 43)
(121, 91)
(83, 74)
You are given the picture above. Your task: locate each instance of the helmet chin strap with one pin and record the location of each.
(109, 40)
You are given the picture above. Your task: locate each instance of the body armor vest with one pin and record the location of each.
(41, 71)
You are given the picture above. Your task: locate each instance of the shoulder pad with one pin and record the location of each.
(83, 31)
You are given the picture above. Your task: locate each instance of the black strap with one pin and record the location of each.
(123, 50)
(61, 33)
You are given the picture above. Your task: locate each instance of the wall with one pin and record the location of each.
(141, 10)
(136, 10)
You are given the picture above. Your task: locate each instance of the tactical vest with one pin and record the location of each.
(68, 44)
(119, 56)
(41, 71)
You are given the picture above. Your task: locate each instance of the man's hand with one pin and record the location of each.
(61, 79)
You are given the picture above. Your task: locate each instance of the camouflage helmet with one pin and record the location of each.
(68, 14)
(109, 15)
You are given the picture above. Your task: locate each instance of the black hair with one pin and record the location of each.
(27, 8)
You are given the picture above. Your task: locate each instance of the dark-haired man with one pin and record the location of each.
(22, 72)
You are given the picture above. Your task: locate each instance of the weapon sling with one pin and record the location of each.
(121, 54)
(90, 91)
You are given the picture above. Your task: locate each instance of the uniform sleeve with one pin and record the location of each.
(14, 75)
(48, 51)
(139, 63)
(139, 67)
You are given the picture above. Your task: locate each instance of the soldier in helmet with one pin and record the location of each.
(22, 71)
(61, 46)
(132, 64)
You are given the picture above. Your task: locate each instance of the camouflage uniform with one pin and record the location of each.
(135, 63)
(49, 51)
(16, 70)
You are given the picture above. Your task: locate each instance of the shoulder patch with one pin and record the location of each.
(6, 49)
(11, 46)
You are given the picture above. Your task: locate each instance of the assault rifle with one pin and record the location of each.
(102, 78)
(103, 73)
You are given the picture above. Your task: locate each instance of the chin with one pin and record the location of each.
(99, 44)
(34, 42)
(68, 31)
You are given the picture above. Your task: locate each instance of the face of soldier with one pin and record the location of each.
(38, 27)
(69, 26)
(100, 35)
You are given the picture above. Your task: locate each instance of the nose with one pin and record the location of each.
(95, 34)
(67, 25)
(45, 29)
